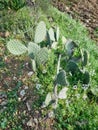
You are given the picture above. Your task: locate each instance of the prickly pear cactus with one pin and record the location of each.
(33, 49)
(42, 56)
(72, 67)
(57, 33)
(33, 65)
(61, 78)
(85, 57)
(86, 77)
(70, 45)
(40, 32)
(51, 34)
(16, 47)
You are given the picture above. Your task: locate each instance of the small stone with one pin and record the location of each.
(24, 98)
(30, 73)
(38, 86)
(30, 123)
(19, 99)
(3, 109)
(28, 106)
(14, 78)
(22, 93)
(36, 121)
(3, 95)
(25, 87)
(3, 103)
(51, 114)
(7, 34)
(84, 96)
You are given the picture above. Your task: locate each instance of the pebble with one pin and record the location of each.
(30, 73)
(22, 93)
(28, 106)
(35, 121)
(30, 123)
(3, 103)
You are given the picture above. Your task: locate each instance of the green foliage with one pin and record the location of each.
(13, 4)
(76, 113)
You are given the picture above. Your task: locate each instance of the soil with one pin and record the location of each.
(85, 10)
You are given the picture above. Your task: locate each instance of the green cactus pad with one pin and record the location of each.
(70, 45)
(42, 56)
(86, 78)
(57, 33)
(49, 42)
(33, 65)
(61, 78)
(51, 34)
(85, 57)
(72, 67)
(33, 49)
(16, 47)
(40, 32)
(48, 99)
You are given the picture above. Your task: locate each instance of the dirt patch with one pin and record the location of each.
(85, 10)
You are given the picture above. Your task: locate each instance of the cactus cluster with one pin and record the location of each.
(73, 58)
(37, 54)
(77, 62)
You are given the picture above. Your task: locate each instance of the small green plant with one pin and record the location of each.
(12, 4)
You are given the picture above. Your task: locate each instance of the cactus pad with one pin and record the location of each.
(61, 78)
(40, 32)
(33, 49)
(85, 57)
(70, 45)
(42, 56)
(72, 67)
(16, 47)
(86, 78)
(57, 33)
(51, 34)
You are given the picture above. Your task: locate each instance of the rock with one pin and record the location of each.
(22, 93)
(30, 73)
(30, 123)
(35, 121)
(28, 106)
(25, 87)
(51, 114)
(3, 103)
